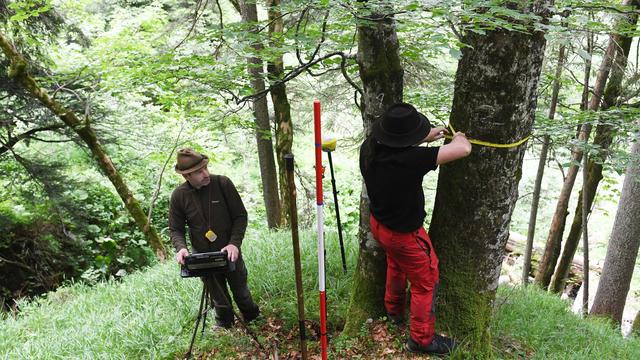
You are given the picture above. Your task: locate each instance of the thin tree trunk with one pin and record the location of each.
(263, 130)
(19, 71)
(603, 139)
(584, 103)
(585, 238)
(382, 74)
(526, 269)
(556, 229)
(623, 246)
(494, 100)
(281, 107)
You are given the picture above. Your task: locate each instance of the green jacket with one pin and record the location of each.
(228, 218)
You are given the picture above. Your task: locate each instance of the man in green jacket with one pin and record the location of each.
(212, 209)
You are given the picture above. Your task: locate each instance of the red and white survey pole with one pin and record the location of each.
(320, 203)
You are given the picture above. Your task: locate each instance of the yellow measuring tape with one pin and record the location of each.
(489, 144)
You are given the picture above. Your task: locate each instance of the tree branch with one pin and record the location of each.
(617, 9)
(297, 71)
(18, 264)
(157, 191)
(222, 40)
(196, 17)
(28, 134)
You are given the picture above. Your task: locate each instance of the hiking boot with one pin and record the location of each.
(440, 345)
(219, 326)
(396, 319)
(250, 317)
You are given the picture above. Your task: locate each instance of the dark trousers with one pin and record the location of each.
(410, 256)
(219, 295)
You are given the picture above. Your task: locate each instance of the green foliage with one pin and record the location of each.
(63, 225)
(35, 254)
(24, 10)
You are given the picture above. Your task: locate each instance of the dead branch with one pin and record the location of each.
(196, 16)
(156, 193)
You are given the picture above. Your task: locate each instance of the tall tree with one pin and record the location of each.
(622, 251)
(281, 106)
(556, 229)
(494, 100)
(382, 75)
(19, 71)
(266, 159)
(526, 268)
(603, 140)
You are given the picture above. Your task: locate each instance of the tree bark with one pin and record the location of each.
(261, 118)
(494, 100)
(281, 107)
(556, 229)
(526, 268)
(382, 74)
(635, 328)
(603, 138)
(19, 71)
(623, 246)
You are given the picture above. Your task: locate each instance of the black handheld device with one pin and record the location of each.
(203, 264)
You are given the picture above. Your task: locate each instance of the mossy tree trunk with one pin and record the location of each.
(623, 246)
(281, 107)
(603, 139)
(19, 72)
(382, 74)
(266, 160)
(494, 100)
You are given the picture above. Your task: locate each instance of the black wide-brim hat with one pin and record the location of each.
(401, 126)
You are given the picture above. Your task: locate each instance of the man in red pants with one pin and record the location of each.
(393, 167)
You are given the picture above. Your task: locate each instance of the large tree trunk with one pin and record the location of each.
(261, 117)
(556, 229)
(623, 246)
(281, 107)
(603, 138)
(541, 165)
(382, 78)
(494, 100)
(19, 71)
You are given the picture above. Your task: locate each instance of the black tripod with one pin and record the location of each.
(204, 310)
(204, 304)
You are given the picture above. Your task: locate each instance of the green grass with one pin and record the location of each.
(542, 326)
(150, 314)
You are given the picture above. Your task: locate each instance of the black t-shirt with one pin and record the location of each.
(394, 183)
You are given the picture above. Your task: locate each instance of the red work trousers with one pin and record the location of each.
(410, 256)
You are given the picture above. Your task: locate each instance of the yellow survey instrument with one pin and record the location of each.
(329, 144)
